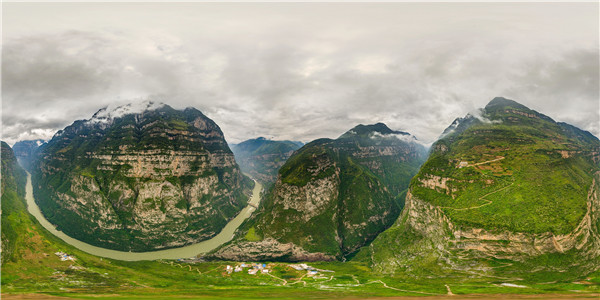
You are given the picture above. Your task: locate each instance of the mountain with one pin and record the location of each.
(13, 191)
(140, 177)
(26, 152)
(262, 158)
(505, 190)
(331, 197)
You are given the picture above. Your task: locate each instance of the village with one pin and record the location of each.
(255, 268)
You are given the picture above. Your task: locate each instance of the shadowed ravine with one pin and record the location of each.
(188, 251)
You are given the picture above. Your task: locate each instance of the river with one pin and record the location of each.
(183, 252)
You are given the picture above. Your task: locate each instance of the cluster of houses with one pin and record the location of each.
(253, 269)
(309, 270)
(64, 257)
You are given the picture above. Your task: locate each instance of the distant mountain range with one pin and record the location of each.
(262, 158)
(26, 151)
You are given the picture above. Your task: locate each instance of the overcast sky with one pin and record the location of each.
(298, 71)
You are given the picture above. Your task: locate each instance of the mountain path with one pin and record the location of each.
(397, 289)
(300, 280)
(284, 281)
(480, 198)
(189, 266)
(449, 290)
(486, 162)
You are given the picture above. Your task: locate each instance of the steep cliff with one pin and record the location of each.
(12, 181)
(262, 158)
(506, 190)
(140, 178)
(331, 197)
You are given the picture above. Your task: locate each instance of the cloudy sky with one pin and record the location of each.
(298, 71)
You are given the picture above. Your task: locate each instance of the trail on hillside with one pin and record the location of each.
(485, 162)
(284, 281)
(397, 289)
(480, 198)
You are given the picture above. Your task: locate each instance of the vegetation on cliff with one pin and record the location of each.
(139, 181)
(13, 207)
(502, 190)
(332, 197)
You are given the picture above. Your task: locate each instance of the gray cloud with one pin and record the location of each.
(298, 71)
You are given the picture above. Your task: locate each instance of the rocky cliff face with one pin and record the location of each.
(331, 197)
(140, 180)
(510, 188)
(262, 158)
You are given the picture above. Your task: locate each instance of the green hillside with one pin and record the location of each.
(32, 270)
(13, 190)
(535, 173)
(332, 197)
(505, 186)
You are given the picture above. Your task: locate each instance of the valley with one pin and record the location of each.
(176, 253)
(300, 150)
(370, 214)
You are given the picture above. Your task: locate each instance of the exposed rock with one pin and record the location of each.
(147, 180)
(430, 220)
(271, 250)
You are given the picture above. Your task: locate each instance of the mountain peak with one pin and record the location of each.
(500, 102)
(109, 113)
(363, 130)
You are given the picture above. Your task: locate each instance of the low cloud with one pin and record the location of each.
(299, 71)
(480, 115)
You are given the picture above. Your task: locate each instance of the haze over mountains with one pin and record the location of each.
(505, 185)
(25, 152)
(262, 158)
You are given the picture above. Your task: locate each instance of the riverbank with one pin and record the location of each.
(175, 253)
